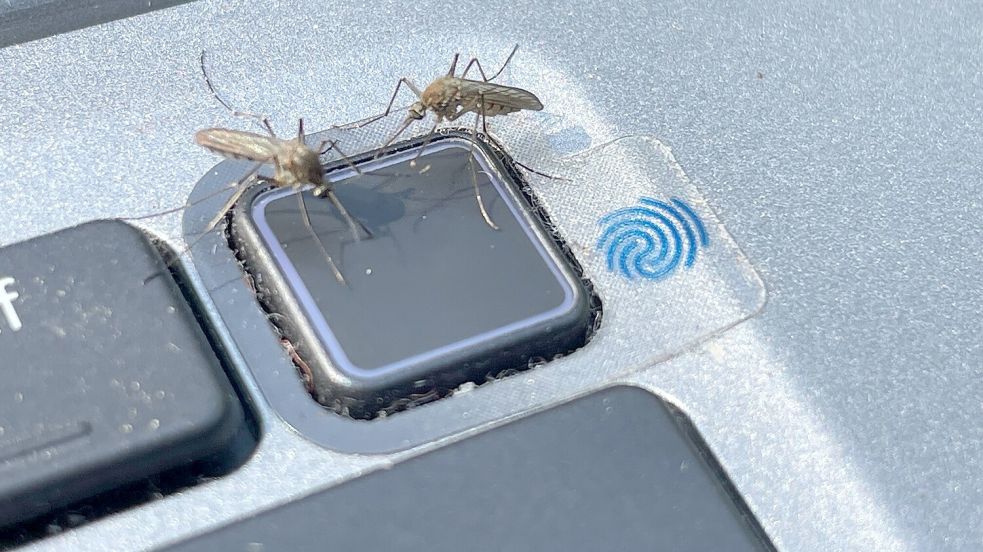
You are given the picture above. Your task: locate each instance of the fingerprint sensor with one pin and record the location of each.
(437, 297)
(652, 239)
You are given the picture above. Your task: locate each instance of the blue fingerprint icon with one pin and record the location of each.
(651, 239)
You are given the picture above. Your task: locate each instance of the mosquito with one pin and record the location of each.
(450, 97)
(295, 165)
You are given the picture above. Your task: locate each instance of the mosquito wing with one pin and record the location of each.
(238, 144)
(500, 99)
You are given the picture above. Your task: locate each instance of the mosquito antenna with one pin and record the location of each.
(261, 120)
(211, 87)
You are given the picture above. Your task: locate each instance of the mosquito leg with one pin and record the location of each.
(225, 209)
(389, 107)
(241, 187)
(474, 172)
(262, 120)
(305, 215)
(540, 173)
(484, 121)
(325, 190)
(450, 72)
(333, 145)
(484, 128)
(353, 223)
(506, 64)
(406, 123)
(364, 122)
(426, 143)
(474, 61)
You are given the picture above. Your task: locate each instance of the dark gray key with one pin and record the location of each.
(434, 299)
(104, 378)
(23, 20)
(612, 471)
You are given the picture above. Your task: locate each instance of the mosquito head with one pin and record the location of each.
(417, 111)
(304, 166)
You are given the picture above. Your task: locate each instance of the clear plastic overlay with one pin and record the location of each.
(665, 269)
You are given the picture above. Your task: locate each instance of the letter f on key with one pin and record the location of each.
(7, 304)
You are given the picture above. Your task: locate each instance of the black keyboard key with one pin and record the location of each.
(611, 471)
(23, 20)
(105, 378)
(434, 299)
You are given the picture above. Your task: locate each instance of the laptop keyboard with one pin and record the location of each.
(120, 380)
(111, 382)
(131, 394)
(118, 392)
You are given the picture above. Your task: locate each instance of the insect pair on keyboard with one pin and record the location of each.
(448, 97)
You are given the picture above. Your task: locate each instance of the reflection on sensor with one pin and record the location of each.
(435, 299)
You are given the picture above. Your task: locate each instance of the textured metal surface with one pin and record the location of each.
(840, 145)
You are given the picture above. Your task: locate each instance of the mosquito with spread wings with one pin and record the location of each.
(449, 97)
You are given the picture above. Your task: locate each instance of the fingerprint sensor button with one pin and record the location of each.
(434, 299)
